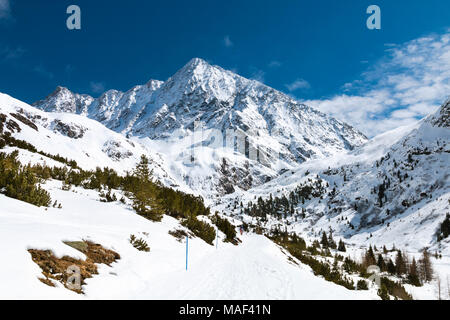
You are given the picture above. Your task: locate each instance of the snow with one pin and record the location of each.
(256, 269)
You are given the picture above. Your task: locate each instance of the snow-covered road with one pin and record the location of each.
(256, 269)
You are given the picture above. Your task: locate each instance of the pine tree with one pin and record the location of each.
(324, 241)
(341, 246)
(400, 266)
(380, 263)
(21, 182)
(369, 259)
(142, 171)
(426, 269)
(413, 274)
(145, 194)
(331, 242)
(391, 267)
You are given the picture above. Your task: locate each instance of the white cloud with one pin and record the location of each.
(275, 64)
(227, 42)
(411, 81)
(5, 9)
(298, 84)
(97, 87)
(7, 53)
(41, 70)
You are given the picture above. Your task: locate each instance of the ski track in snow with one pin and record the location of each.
(256, 268)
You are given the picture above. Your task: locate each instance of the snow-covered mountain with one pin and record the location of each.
(117, 110)
(209, 98)
(221, 100)
(73, 137)
(395, 189)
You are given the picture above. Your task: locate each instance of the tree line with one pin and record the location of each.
(284, 206)
(150, 198)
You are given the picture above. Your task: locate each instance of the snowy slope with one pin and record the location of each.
(77, 138)
(256, 269)
(413, 163)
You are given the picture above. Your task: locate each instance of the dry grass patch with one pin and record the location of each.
(54, 268)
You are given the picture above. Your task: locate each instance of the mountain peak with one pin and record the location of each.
(442, 117)
(65, 93)
(196, 68)
(61, 90)
(64, 100)
(194, 62)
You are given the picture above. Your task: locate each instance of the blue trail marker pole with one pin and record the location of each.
(187, 251)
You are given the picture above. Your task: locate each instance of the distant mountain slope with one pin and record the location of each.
(393, 189)
(74, 137)
(282, 131)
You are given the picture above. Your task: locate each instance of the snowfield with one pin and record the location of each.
(255, 269)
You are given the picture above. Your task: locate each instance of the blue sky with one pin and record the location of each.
(318, 51)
